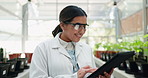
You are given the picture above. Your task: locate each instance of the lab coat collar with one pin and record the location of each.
(78, 46)
(56, 41)
(68, 45)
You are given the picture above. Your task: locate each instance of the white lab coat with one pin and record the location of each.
(51, 60)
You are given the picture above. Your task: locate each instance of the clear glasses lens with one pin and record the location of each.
(77, 27)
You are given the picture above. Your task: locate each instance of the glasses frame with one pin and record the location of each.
(77, 26)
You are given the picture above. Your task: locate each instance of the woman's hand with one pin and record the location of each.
(87, 69)
(106, 75)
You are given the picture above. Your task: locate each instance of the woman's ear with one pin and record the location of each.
(62, 25)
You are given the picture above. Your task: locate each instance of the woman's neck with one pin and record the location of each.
(63, 37)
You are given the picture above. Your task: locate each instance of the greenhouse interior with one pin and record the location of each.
(94, 38)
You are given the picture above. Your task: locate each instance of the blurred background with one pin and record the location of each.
(114, 26)
(25, 23)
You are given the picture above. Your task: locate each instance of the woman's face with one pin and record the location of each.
(70, 33)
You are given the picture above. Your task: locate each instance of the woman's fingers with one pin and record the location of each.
(91, 70)
(100, 76)
(106, 75)
(86, 67)
(81, 72)
(84, 70)
(111, 71)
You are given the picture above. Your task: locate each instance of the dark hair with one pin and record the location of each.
(67, 15)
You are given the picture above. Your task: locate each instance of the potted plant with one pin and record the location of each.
(146, 45)
(29, 56)
(106, 54)
(142, 59)
(132, 67)
(138, 63)
(97, 53)
(121, 47)
(113, 49)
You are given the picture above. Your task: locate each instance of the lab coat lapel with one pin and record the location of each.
(60, 48)
(64, 52)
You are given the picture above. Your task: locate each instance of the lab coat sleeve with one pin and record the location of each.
(39, 68)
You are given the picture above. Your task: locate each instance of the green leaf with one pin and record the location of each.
(146, 36)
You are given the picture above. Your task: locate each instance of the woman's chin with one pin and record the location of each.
(76, 40)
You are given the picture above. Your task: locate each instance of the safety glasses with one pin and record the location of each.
(77, 26)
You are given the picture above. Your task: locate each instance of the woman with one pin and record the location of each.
(64, 56)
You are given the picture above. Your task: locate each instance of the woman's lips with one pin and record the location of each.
(78, 35)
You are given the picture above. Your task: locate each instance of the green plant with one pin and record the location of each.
(97, 46)
(137, 45)
(123, 46)
(117, 47)
(146, 45)
(146, 36)
(107, 46)
(126, 46)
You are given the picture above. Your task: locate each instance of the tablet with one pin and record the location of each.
(112, 63)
